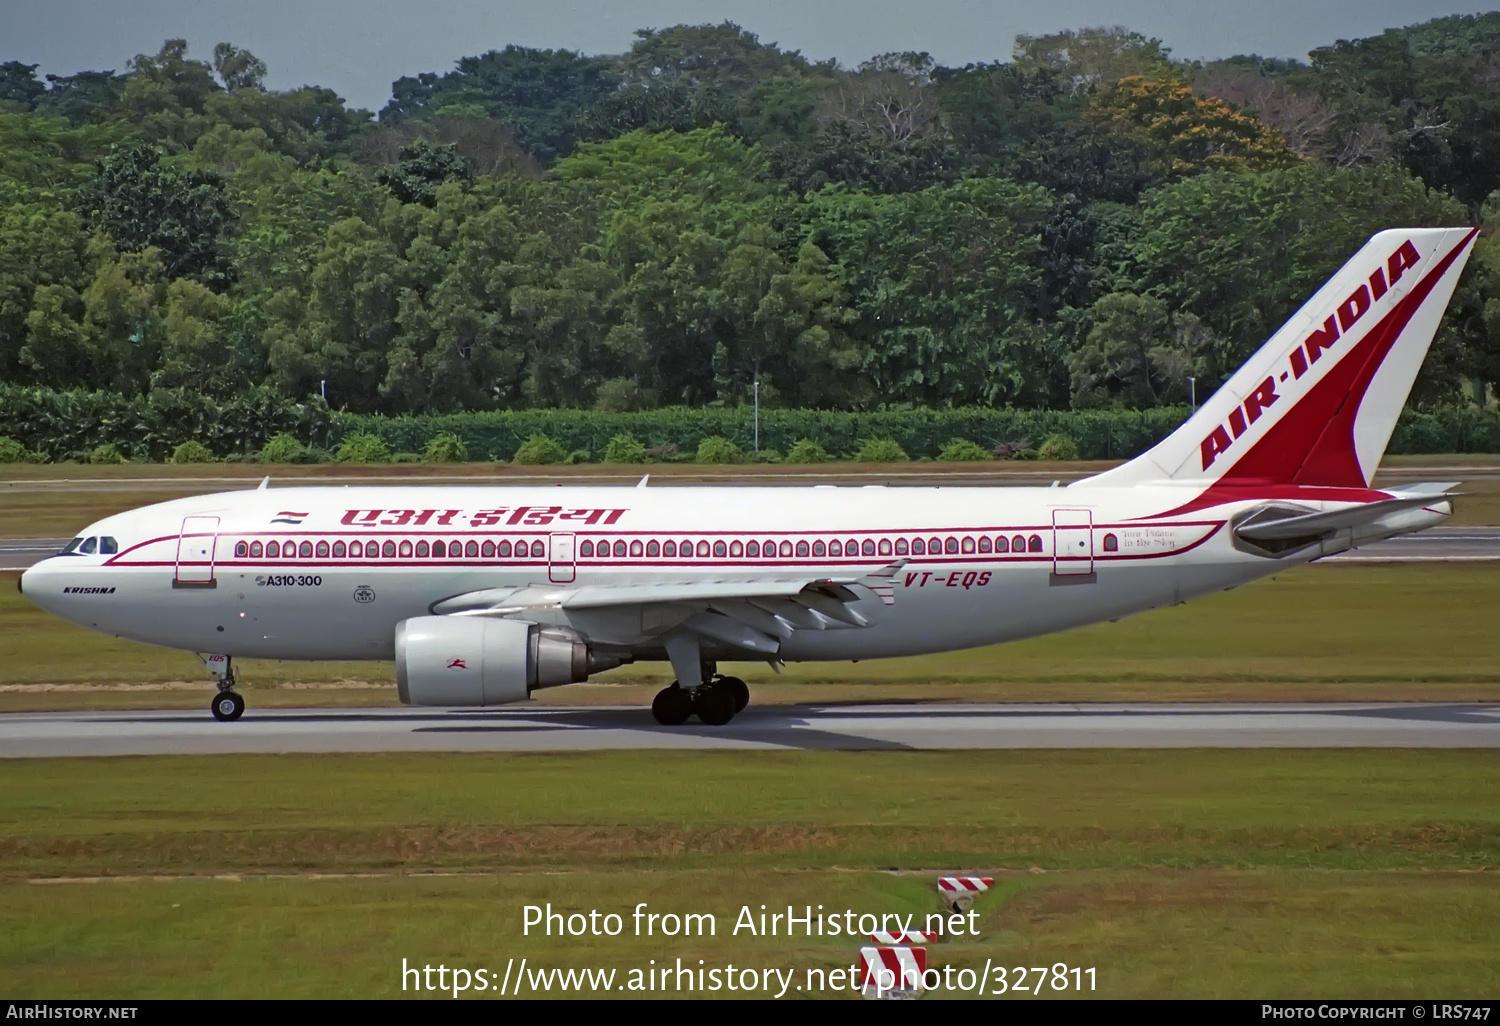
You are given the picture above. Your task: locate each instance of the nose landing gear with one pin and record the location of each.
(227, 704)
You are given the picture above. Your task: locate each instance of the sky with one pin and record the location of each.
(358, 47)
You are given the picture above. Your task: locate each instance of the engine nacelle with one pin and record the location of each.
(477, 660)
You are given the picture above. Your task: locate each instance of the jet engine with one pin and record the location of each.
(474, 660)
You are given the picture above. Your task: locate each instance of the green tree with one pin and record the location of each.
(1135, 354)
(540, 94)
(143, 204)
(1243, 251)
(422, 168)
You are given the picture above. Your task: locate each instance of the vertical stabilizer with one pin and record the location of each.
(1316, 405)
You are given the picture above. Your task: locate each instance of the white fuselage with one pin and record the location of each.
(276, 573)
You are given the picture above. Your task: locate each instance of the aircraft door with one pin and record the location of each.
(562, 564)
(195, 552)
(1072, 542)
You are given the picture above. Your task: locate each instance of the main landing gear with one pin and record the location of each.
(714, 703)
(227, 704)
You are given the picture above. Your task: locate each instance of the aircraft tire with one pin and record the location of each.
(227, 705)
(672, 706)
(714, 705)
(739, 689)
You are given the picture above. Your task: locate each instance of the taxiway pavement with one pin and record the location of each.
(887, 727)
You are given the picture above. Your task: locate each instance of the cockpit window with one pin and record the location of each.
(108, 546)
(71, 547)
(88, 546)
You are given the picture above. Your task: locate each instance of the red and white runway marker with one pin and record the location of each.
(891, 972)
(903, 937)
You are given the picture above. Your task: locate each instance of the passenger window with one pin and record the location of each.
(1002, 544)
(1111, 543)
(918, 547)
(835, 548)
(255, 550)
(901, 548)
(1034, 543)
(487, 550)
(355, 550)
(322, 550)
(703, 548)
(273, 550)
(405, 549)
(753, 550)
(768, 548)
(786, 548)
(388, 550)
(802, 549)
(439, 550)
(241, 550)
(636, 548)
(720, 549)
(108, 546)
(736, 550)
(934, 545)
(502, 550)
(819, 548)
(868, 548)
(422, 550)
(653, 549)
(885, 546)
(950, 545)
(984, 544)
(619, 548)
(685, 549)
(1018, 544)
(851, 547)
(586, 549)
(968, 545)
(538, 550)
(89, 545)
(471, 549)
(305, 550)
(669, 549)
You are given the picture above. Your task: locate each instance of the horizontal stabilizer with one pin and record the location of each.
(1273, 525)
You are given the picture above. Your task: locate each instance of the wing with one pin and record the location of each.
(753, 614)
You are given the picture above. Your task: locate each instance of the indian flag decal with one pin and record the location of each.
(288, 516)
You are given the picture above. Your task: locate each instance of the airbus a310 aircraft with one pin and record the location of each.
(482, 594)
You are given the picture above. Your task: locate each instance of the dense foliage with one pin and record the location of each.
(1088, 226)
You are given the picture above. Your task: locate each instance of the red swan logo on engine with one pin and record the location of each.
(458, 664)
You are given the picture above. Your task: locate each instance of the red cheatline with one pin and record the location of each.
(955, 884)
(903, 937)
(884, 970)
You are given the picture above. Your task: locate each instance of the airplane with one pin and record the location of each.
(482, 595)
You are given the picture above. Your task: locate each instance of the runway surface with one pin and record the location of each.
(887, 727)
(1437, 544)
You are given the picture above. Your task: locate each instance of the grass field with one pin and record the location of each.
(1208, 873)
(1350, 632)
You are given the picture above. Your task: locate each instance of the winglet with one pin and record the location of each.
(264, 483)
(643, 481)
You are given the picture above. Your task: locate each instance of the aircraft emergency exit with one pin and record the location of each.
(481, 595)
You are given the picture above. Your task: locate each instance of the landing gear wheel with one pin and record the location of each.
(227, 705)
(738, 688)
(714, 705)
(672, 706)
